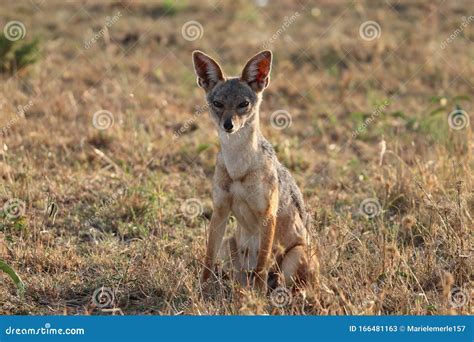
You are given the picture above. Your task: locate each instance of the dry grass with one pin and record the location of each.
(131, 180)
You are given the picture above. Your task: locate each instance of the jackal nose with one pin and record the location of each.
(228, 125)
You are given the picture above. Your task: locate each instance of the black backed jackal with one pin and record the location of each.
(270, 246)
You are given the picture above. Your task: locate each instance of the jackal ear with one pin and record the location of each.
(207, 70)
(257, 71)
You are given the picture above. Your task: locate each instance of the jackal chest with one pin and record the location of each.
(248, 202)
(236, 166)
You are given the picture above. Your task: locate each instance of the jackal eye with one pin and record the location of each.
(244, 104)
(217, 104)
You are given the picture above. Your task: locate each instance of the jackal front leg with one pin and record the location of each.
(267, 234)
(216, 234)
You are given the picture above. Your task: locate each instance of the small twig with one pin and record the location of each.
(102, 155)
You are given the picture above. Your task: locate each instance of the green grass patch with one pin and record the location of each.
(14, 276)
(16, 55)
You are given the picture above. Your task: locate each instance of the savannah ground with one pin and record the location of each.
(126, 209)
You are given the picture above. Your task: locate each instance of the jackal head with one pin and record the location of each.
(234, 101)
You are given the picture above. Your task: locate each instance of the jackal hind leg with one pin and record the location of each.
(297, 268)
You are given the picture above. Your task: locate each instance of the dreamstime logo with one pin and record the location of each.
(375, 113)
(370, 207)
(280, 119)
(192, 30)
(458, 297)
(103, 297)
(286, 24)
(281, 297)
(458, 119)
(37, 3)
(191, 208)
(190, 121)
(108, 24)
(457, 32)
(370, 30)
(110, 200)
(14, 208)
(102, 119)
(20, 113)
(14, 30)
